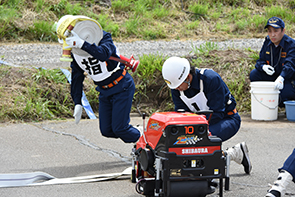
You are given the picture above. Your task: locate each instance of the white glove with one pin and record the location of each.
(78, 113)
(279, 82)
(74, 41)
(268, 69)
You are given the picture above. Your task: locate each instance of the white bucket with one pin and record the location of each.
(264, 100)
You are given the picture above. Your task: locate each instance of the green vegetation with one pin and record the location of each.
(31, 20)
(33, 94)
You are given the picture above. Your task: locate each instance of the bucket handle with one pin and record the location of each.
(264, 104)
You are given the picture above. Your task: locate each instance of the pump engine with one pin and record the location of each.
(177, 156)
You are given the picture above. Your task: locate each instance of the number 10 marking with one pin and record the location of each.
(189, 129)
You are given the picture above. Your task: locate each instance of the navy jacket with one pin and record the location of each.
(286, 65)
(215, 90)
(102, 52)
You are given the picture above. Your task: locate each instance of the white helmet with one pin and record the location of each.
(175, 70)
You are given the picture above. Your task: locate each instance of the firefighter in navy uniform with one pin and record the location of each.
(115, 84)
(277, 60)
(286, 176)
(203, 89)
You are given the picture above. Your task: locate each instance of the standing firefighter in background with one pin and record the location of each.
(193, 90)
(277, 60)
(90, 49)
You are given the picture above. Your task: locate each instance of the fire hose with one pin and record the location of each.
(89, 30)
(41, 178)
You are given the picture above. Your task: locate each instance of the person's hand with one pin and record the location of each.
(279, 83)
(78, 113)
(74, 41)
(268, 69)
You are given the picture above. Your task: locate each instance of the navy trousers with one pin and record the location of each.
(114, 110)
(227, 127)
(287, 93)
(289, 164)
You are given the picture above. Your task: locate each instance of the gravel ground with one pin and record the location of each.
(47, 55)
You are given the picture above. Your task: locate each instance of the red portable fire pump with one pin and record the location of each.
(177, 156)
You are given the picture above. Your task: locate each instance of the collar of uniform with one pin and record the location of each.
(282, 43)
(196, 80)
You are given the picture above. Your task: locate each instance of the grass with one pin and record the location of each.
(204, 49)
(30, 21)
(33, 94)
(151, 91)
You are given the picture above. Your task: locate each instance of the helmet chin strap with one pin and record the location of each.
(188, 82)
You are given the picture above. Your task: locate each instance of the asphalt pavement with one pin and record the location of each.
(64, 149)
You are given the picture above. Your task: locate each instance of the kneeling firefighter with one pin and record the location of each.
(203, 89)
(90, 49)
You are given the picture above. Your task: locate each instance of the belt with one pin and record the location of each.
(232, 112)
(116, 81)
